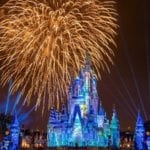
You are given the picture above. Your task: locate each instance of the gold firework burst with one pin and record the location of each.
(42, 43)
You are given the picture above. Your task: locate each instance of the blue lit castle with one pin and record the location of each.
(83, 124)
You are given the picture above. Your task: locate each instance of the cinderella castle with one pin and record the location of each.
(84, 122)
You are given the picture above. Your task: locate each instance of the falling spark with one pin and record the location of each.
(42, 44)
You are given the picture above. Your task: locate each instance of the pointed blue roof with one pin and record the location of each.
(139, 120)
(101, 110)
(139, 129)
(114, 120)
(15, 121)
(114, 114)
(114, 111)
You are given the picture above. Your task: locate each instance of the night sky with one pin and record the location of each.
(128, 85)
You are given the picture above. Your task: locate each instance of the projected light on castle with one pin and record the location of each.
(84, 124)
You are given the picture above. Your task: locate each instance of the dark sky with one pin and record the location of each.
(128, 84)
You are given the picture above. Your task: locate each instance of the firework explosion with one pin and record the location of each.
(43, 43)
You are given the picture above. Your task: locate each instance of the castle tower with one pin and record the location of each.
(106, 130)
(64, 115)
(139, 133)
(100, 116)
(114, 130)
(94, 94)
(87, 69)
(106, 126)
(14, 131)
(80, 92)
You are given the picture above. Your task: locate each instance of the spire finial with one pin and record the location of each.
(101, 111)
(87, 58)
(114, 107)
(15, 119)
(100, 103)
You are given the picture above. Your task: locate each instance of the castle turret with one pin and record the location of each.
(114, 130)
(100, 117)
(139, 133)
(106, 125)
(14, 131)
(94, 94)
(87, 69)
(64, 115)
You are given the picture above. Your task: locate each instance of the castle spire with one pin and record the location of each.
(114, 120)
(101, 110)
(15, 121)
(139, 133)
(114, 129)
(64, 115)
(14, 131)
(87, 58)
(139, 119)
(87, 61)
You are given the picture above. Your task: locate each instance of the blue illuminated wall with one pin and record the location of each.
(83, 123)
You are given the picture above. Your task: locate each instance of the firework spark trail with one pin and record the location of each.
(43, 43)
